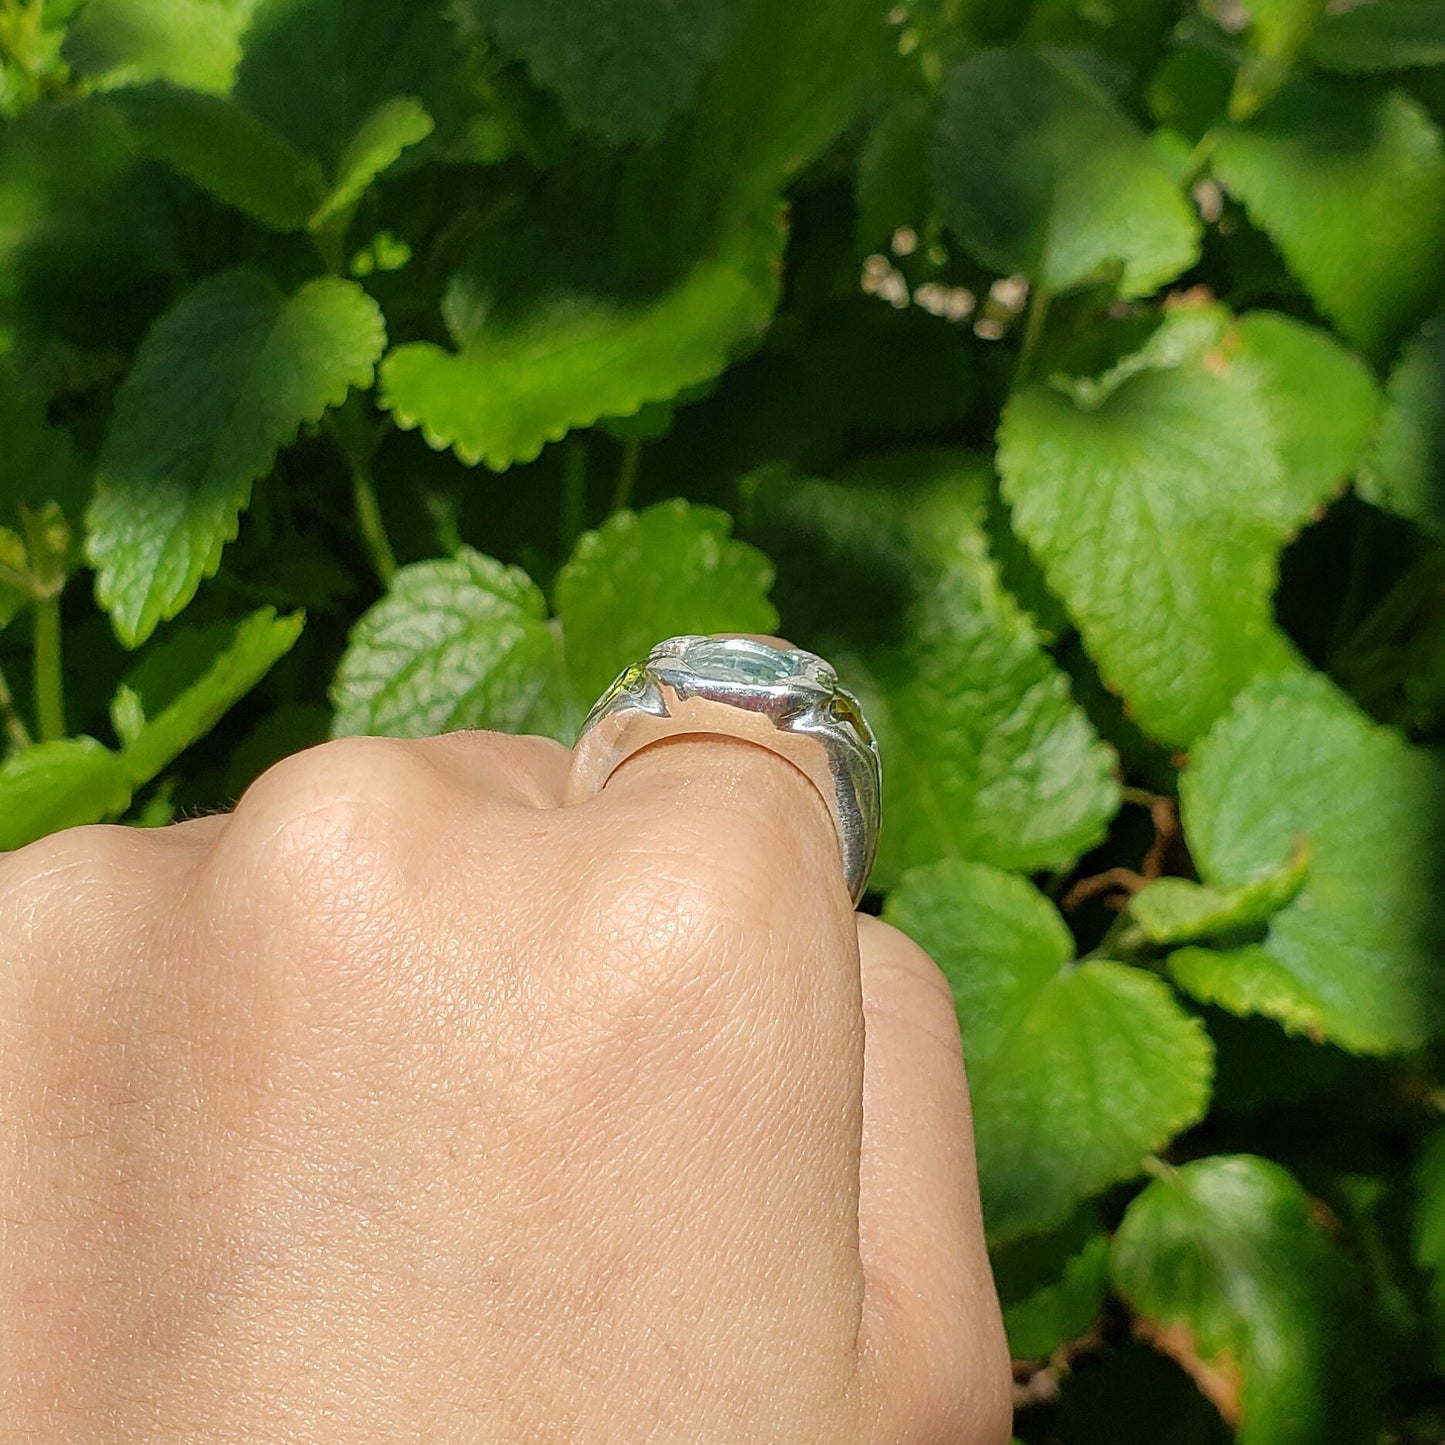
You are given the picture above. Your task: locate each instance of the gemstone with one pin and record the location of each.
(737, 659)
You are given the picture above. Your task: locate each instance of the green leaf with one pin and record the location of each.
(391, 128)
(1354, 957)
(1383, 35)
(1078, 1072)
(224, 151)
(1174, 910)
(1158, 511)
(1038, 172)
(318, 71)
(184, 686)
(620, 67)
(462, 642)
(223, 381)
(1229, 1271)
(194, 43)
(1350, 185)
(644, 576)
(59, 785)
(528, 376)
(986, 756)
(1052, 1288)
(1323, 406)
(1404, 471)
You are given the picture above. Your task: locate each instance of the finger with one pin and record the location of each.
(733, 803)
(742, 812)
(932, 1335)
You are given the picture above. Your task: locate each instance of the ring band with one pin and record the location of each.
(784, 699)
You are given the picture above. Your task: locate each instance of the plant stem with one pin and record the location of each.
(356, 438)
(14, 724)
(1033, 329)
(626, 474)
(574, 496)
(49, 679)
(368, 518)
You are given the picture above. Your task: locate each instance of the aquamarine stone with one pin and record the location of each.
(736, 659)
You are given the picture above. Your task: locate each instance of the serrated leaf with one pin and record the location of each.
(223, 381)
(1383, 35)
(225, 151)
(644, 576)
(620, 67)
(529, 376)
(1174, 910)
(183, 686)
(315, 70)
(456, 643)
(1052, 1287)
(1038, 172)
(58, 785)
(195, 43)
(1404, 471)
(1354, 957)
(390, 129)
(1158, 512)
(1350, 185)
(1230, 1271)
(986, 755)
(1078, 1072)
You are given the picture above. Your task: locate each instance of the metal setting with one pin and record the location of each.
(784, 699)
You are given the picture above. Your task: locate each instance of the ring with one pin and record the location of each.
(784, 699)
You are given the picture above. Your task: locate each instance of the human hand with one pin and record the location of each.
(406, 1102)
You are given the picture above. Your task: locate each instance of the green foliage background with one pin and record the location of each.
(1071, 372)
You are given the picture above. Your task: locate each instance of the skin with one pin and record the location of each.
(405, 1103)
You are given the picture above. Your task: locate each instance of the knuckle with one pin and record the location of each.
(332, 806)
(324, 847)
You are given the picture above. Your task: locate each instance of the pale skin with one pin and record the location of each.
(406, 1103)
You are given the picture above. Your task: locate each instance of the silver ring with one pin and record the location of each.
(784, 699)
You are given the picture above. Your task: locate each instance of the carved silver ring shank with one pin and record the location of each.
(783, 699)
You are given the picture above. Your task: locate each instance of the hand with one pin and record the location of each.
(404, 1102)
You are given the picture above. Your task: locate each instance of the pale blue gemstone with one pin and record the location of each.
(736, 659)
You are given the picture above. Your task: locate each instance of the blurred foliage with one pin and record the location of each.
(1071, 372)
